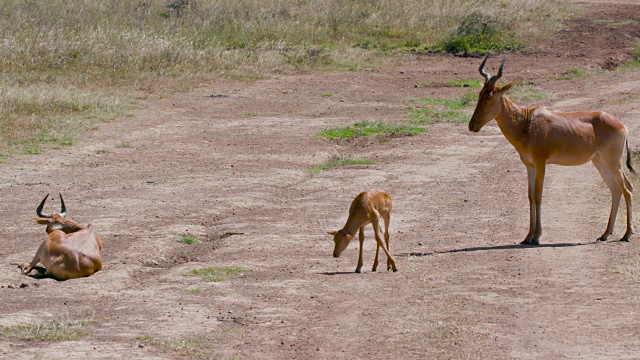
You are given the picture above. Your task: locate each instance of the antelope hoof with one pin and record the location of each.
(23, 267)
(625, 239)
(602, 238)
(529, 240)
(395, 270)
(358, 270)
(534, 241)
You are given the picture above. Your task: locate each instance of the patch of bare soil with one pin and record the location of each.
(198, 165)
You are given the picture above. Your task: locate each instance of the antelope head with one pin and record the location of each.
(341, 239)
(56, 221)
(490, 98)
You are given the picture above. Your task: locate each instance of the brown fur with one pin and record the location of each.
(367, 207)
(544, 137)
(70, 250)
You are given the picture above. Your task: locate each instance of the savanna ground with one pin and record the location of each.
(228, 174)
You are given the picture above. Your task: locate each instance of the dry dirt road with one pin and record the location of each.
(195, 164)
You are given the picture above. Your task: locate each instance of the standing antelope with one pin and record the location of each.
(366, 208)
(70, 250)
(544, 137)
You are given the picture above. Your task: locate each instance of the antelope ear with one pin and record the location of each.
(332, 233)
(507, 87)
(42, 221)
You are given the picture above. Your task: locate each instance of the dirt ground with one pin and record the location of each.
(198, 164)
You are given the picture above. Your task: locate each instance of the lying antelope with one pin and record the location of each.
(544, 137)
(70, 250)
(366, 208)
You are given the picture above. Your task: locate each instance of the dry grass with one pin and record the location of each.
(117, 37)
(54, 330)
(34, 115)
(340, 160)
(181, 347)
(217, 273)
(60, 59)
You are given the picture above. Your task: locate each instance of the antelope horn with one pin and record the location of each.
(63, 209)
(495, 78)
(485, 74)
(39, 209)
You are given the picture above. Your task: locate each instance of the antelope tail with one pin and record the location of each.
(629, 157)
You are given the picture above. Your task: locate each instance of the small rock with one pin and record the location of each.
(10, 286)
(23, 285)
(421, 243)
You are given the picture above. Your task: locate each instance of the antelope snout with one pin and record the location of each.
(473, 127)
(336, 254)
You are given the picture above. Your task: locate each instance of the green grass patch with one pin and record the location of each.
(528, 94)
(182, 347)
(189, 240)
(634, 63)
(339, 161)
(468, 99)
(366, 128)
(573, 73)
(217, 273)
(327, 95)
(466, 83)
(53, 331)
(614, 23)
(193, 291)
(428, 116)
(125, 145)
(250, 114)
(479, 33)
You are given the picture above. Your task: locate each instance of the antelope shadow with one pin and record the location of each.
(331, 273)
(496, 247)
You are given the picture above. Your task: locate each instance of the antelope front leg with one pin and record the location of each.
(531, 177)
(540, 169)
(26, 268)
(361, 238)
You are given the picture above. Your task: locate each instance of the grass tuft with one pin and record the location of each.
(466, 83)
(217, 273)
(425, 111)
(339, 161)
(528, 94)
(366, 128)
(465, 100)
(182, 347)
(54, 331)
(189, 240)
(250, 114)
(573, 73)
(614, 23)
(428, 116)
